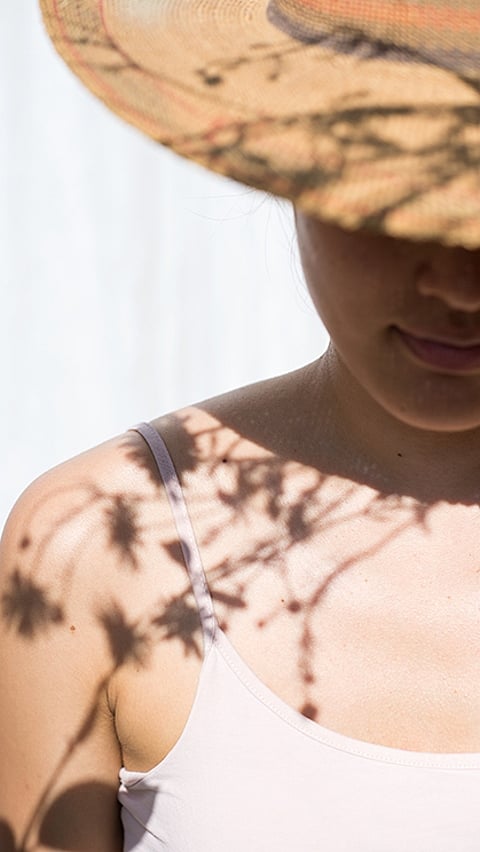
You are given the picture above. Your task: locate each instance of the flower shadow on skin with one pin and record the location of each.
(118, 522)
(27, 608)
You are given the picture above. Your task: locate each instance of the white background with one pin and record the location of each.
(131, 282)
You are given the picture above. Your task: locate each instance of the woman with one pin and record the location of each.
(262, 611)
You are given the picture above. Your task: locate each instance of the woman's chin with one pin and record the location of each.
(438, 418)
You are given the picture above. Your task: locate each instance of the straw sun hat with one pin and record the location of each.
(365, 113)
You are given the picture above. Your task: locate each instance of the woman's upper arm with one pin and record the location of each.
(59, 757)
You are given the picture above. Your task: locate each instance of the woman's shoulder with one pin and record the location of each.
(68, 566)
(102, 511)
(97, 514)
(261, 418)
(63, 505)
(89, 542)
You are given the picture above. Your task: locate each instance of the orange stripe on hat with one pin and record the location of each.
(440, 16)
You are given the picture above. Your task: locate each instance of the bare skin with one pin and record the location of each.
(336, 510)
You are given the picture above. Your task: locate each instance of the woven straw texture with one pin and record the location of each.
(363, 112)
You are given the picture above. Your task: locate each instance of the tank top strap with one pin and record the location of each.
(186, 534)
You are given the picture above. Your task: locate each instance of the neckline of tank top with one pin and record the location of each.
(341, 742)
(217, 638)
(361, 749)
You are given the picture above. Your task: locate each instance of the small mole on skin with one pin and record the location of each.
(72, 628)
(400, 455)
(224, 461)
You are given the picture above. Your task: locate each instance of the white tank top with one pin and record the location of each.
(251, 774)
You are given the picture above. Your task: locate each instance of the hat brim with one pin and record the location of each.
(384, 140)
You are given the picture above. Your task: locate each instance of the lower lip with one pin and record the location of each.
(440, 355)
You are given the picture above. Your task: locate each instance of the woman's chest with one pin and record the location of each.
(370, 625)
(381, 645)
(265, 781)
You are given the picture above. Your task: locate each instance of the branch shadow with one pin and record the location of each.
(238, 145)
(30, 608)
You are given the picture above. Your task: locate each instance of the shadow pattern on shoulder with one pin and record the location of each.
(31, 608)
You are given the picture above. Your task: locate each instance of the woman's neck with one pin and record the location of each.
(353, 433)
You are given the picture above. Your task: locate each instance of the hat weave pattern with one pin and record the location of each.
(365, 113)
(391, 29)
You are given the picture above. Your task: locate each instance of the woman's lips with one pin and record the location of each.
(446, 356)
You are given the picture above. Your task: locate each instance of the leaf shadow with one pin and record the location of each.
(31, 608)
(26, 606)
